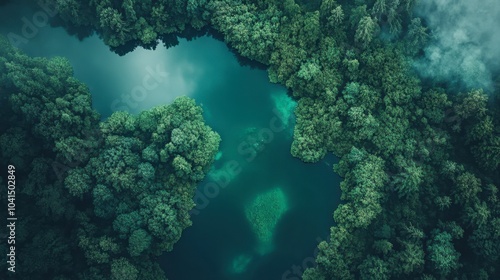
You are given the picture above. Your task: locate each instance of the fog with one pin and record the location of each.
(465, 45)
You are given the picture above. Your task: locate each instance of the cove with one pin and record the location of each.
(255, 121)
(239, 103)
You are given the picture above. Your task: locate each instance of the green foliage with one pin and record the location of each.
(488, 153)
(367, 28)
(116, 166)
(337, 258)
(181, 166)
(251, 34)
(97, 250)
(392, 11)
(442, 254)
(126, 223)
(104, 202)
(410, 259)
(47, 96)
(472, 105)
(362, 188)
(485, 240)
(99, 203)
(374, 268)
(165, 216)
(138, 242)
(408, 182)
(308, 71)
(146, 171)
(125, 24)
(150, 154)
(382, 246)
(467, 188)
(78, 182)
(317, 129)
(416, 37)
(118, 123)
(420, 167)
(38, 253)
(15, 148)
(122, 269)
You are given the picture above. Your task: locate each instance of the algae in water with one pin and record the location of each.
(263, 214)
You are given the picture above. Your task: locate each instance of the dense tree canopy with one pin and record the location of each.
(100, 199)
(420, 163)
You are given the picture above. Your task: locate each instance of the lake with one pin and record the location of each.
(260, 212)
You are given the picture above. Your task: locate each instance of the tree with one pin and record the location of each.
(417, 36)
(138, 242)
(374, 268)
(467, 188)
(473, 104)
(410, 259)
(337, 257)
(78, 182)
(442, 254)
(488, 153)
(407, 183)
(362, 188)
(113, 27)
(380, 7)
(366, 30)
(121, 269)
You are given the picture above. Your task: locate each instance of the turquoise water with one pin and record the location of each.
(255, 121)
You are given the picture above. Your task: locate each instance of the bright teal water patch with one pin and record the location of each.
(285, 106)
(263, 214)
(218, 155)
(254, 118)
(240, 264)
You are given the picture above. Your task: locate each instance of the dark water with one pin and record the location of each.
(255, 121)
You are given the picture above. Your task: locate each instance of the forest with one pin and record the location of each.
(419, 156)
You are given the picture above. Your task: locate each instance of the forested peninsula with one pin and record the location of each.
(98, 200)
(419, 157)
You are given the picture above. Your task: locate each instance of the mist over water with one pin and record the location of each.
(465, 44)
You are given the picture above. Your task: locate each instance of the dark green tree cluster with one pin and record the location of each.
(125, 24)
(401, 216)
(420, 164)
(100, 200)
(141, 185)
